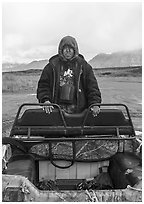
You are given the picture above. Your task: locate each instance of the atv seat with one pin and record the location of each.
(59, 123)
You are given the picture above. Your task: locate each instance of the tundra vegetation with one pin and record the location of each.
(118, 85)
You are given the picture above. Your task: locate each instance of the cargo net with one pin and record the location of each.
(92, 150)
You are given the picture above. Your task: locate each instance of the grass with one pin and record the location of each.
(120, 72)
(26, 81)
(15, 83)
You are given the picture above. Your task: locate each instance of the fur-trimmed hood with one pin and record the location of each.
(68, 40)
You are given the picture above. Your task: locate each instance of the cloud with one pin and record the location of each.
(12, 40)
(33, 30)
(34, 53)
(38, 52)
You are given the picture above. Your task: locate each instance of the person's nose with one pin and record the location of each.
(67, 49)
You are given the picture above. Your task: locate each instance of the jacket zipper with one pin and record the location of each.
(53, 92)
(79, 84)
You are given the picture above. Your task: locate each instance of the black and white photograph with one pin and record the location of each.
(71, 101)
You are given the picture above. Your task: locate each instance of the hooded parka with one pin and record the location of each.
(86, 87)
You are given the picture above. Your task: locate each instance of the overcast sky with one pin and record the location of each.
(32, 31)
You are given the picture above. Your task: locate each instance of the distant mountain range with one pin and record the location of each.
(19, 67)
(117, 59)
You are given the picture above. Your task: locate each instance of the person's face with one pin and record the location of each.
(68, 52)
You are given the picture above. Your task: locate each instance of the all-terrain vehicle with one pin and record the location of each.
(72, 157)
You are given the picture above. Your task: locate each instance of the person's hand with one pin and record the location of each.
(95, 110)
(48, 109)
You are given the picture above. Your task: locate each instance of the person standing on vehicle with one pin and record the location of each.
(68, 80)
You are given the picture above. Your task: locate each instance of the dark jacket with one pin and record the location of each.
(87, 90)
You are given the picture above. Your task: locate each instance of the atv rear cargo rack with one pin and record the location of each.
(35, 122)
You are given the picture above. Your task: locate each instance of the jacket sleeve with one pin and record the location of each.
(44, 85)
(92, 88)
